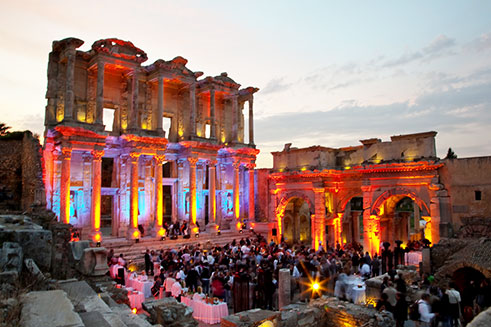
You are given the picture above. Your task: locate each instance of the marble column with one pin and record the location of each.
(134, 102)
(57, 160)
(212, 193)
(159, 205)
(251, 122)
(320, 217)
(192, 117)
(236, 194)
(235, 124)
(252, 216)
(95, 205)
(192, 191)
(99, 108)
(66, 154)
(160, 105)
(133, 232)
(213, 130)
(69, 83)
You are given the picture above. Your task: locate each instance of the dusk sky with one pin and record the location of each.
(330, 72)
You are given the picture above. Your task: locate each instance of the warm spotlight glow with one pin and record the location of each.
(315, 286)
(136, 234)
(161, 232)
(132, 267)
(97, 237)
(133, 311)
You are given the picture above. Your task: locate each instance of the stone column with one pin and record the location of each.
(284, 287)
(212, 194)
(69, 83)
(87, 183)
(320, 217)
(57, 160)
(66, 154)
(192, 191)
(133, 232)
(95, 205)
(192, 117)
(251, 121)
(181, 201)
(213, 129)
(134, 102)
(160, 105)
(99, 108)
(235, 124)
(252, 205)
(236, 195)
(159, 208)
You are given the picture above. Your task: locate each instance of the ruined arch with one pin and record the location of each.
(280, 213)
(345, 200)
(375, 207)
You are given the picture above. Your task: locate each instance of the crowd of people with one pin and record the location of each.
(244, 274)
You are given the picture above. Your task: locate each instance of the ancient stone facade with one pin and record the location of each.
(117, 175)
(375, 192)
(21, 174)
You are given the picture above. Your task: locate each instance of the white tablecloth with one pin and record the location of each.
(136, 299)
(143, 286)
(350, 283)
(208, 313)
(413, 258)
(358, 295)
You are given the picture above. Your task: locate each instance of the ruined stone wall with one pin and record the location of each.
(262, 195)
(21, 176)
(11, 171)
(462, 178)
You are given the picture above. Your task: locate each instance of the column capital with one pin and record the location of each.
(193, 162)
(236, 164)
(134, 156)
(212, 163)
(318, 189)
(66, 153)
(97, 155)
(159, 158)
(250, 166)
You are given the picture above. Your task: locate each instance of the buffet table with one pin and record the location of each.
(208, 313)
(140, 284)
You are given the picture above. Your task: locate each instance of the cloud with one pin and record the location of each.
(482, 43)
(438, 47)
(276, 85)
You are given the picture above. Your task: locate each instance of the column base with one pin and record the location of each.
(96, 237)
(212, 227)
(158, 232)
(133, 234)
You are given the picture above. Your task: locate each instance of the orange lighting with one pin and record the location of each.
(161, 232)
(315, 286)
(134, 311)
(195, 230)
(239, 225)
(97, 237)
(136, 234)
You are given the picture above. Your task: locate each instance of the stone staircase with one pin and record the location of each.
(134, 252)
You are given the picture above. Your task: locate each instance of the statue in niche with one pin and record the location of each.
(186, 203)
(230, 204)
(73, 204)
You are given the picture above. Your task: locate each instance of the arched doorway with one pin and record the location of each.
(402, 218)
(352, 230)
(296, 222)
(467, 281)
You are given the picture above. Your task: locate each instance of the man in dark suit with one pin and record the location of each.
(148, 263)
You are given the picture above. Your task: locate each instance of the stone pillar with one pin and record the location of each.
(235, 126)
(251, 121)
(69, 83)
(213, 129)
(134, 102)
(87, 184)
(192, 191)
(100, 92)
(192, 117)
(181, 201)
(57, 160)
(284, 288)
(159, 208)
(133, 232)
(212, 194)
(160, 104)
(66, 154)
(95, 205)
(320, 217)
(236, 194)
(251, 212)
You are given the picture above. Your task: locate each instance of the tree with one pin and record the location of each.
(451, 154)
(3, 128)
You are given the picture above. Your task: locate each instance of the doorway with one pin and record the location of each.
(106, 214)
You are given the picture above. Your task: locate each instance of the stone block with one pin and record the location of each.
(93, 262)
(78, 249)
(48, 308)
(169, 312)
(284, 288)
(33, 270)
(11, 257)
(93, 319)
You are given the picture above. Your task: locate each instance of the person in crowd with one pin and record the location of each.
(424, 309)
(156, 286)
(400, 310)
(383, 303)
(148, 263)
(391, 294)
(454, 301)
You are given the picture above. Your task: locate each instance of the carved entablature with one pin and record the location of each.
(119, 49)
(174, 68)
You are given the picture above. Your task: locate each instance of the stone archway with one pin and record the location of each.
(294, 218)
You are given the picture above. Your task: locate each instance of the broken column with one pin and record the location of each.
(284, 288)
